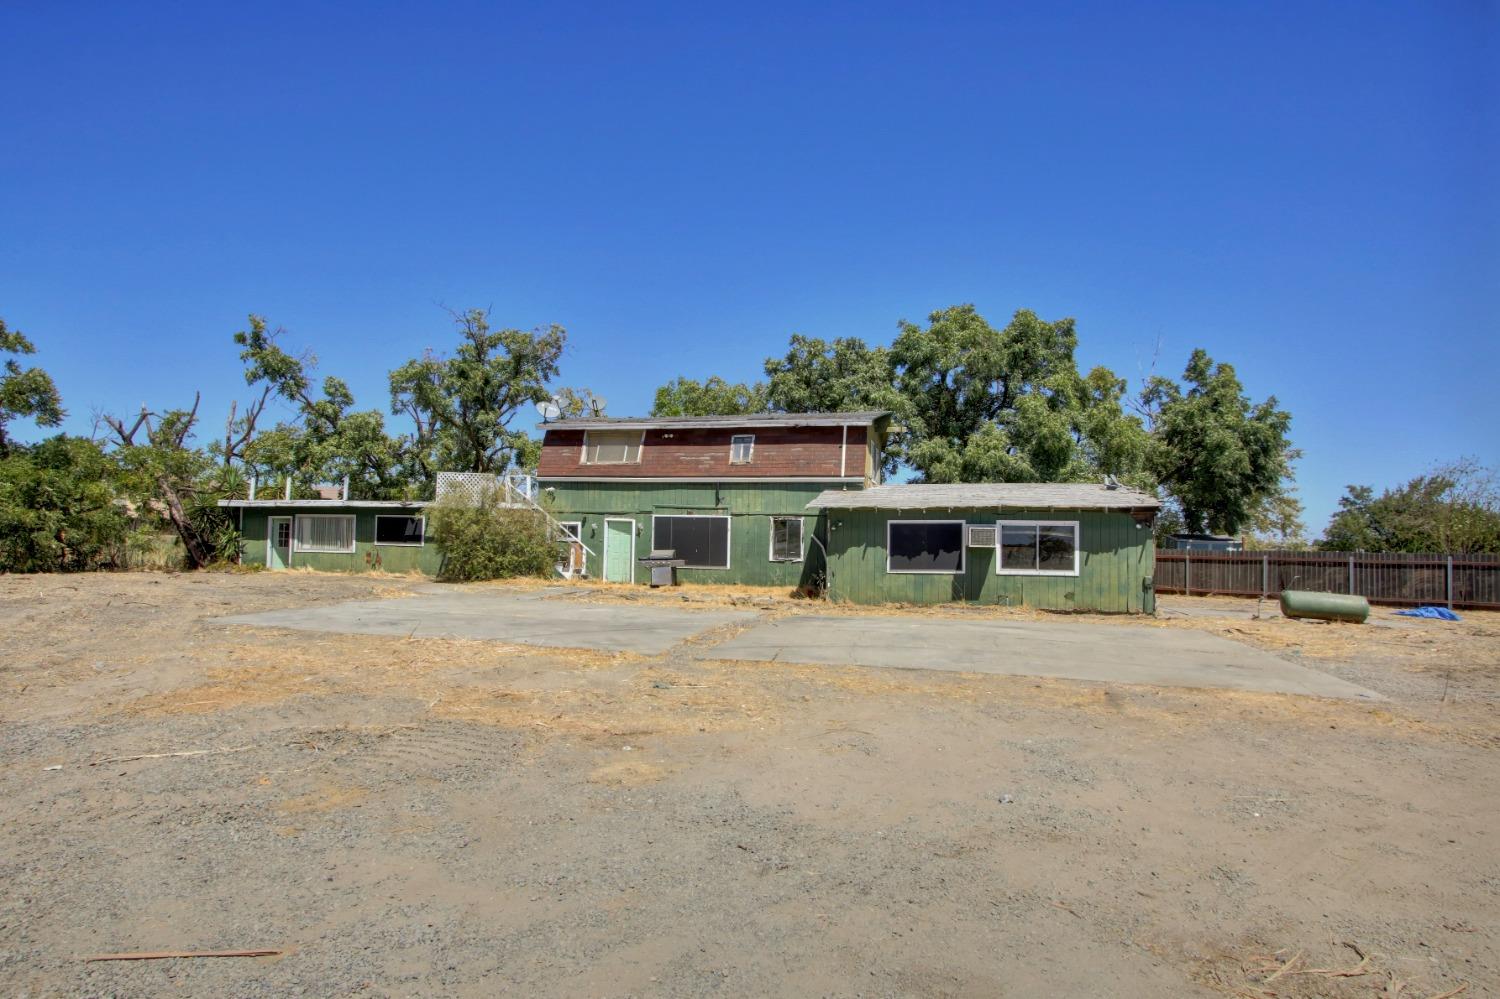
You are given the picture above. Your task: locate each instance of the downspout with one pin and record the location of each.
(827, 565)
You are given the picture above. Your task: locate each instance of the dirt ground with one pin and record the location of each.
(447, 818)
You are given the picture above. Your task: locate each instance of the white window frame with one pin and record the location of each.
(734, 441)
(801, 540)
(728, 536)
(577, 526)
(1001, 525)
(400, 544)
(353, 528)
(963, 549)
(640, 448)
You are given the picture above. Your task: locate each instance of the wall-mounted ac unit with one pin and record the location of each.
(981, 536)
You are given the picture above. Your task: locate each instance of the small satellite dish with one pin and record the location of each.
(549, 410)
(596, 404)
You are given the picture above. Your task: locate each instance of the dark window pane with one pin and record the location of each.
(398, 530)
(1055, 550)
(701, 542)
(786, 539)
(1017, 547)
(926, 547)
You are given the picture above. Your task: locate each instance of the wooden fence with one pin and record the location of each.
(1384, 578)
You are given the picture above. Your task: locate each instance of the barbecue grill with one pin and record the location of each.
(663, 564)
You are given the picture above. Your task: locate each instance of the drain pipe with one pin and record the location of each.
(827, 568)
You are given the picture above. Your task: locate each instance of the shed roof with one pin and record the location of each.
(987, 495)
(859, 419)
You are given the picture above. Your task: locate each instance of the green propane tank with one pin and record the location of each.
(1325, 606)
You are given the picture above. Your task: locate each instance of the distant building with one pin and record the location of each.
(1204, 543)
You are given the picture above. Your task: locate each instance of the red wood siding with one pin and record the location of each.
(779, 452)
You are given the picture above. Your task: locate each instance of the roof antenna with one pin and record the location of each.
(1110, 482)
(596, 404)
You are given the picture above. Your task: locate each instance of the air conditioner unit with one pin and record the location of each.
(981, 536)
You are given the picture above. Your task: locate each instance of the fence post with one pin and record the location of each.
(1449, 587)
(1265, 573)
(1187, 572)
(1351, 575)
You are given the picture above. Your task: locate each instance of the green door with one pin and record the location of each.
(278, 542)
(619, 554)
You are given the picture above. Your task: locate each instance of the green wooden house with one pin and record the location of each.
(1056, 546)
(772, 499)
(335, 535)
(724, 497)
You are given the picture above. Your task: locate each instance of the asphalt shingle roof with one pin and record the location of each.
(987, 495)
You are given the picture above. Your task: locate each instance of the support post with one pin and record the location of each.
(1449, 587)
(346, 489)
(1351, 575)
(252, 488)
(1187, 572)
(288, 488)
(1265, 573)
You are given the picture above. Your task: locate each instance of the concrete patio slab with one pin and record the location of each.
(1108, 653)
(524, 619)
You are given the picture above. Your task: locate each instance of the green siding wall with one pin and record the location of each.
(1117, 559)
(750, 507)
(367, 555)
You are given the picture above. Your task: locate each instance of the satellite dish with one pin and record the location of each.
(550, 410)
(596, 404)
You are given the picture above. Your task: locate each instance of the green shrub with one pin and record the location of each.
(58, 509)
(489, 540)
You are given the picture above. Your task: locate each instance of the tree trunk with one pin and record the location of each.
(197, 552)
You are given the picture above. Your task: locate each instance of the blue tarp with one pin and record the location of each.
(1438, 613)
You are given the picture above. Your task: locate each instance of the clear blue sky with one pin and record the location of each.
(1307, 190)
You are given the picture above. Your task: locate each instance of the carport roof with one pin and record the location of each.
(987, 495)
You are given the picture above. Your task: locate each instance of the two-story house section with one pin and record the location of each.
(727, 494)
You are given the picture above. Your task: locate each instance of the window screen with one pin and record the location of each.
(611, 447)
(701, 542)
(925, 546)
(786, 539)
(399, 530)
(325, 533)
(1039, 548)
(740, 447)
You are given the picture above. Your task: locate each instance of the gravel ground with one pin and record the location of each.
(443, 818)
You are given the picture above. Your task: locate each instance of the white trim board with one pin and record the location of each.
(1000, 526)
(801, 538)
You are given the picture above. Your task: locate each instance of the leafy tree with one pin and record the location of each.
(489, 540)
(463, 406)
(24, 392)
(329, 438)
(987, 405)
(1455, 508)
(158, 466)
(841, 376)
(1277, 522)
(1216, 453)
(58, 508)
(713, 397)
